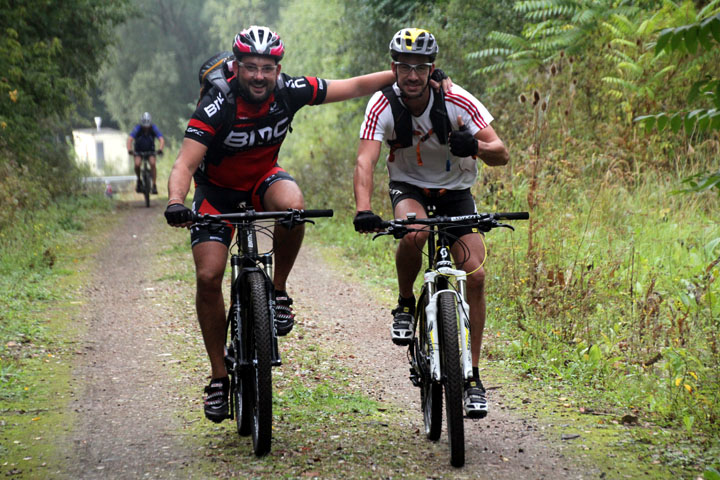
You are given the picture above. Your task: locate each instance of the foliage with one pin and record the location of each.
(49, 62)
(154, 68)
(693, 39)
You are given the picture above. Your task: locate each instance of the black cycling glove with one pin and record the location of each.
(367, 221)
(159, 152)
(178, 214)
(438, 75)
(462, 143)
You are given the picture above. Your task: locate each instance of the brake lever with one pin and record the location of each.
(505, 225)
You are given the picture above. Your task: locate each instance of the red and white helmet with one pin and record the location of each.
(256, 40)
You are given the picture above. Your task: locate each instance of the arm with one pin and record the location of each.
(130, 144)
(162, 143)
(367, 158)
(363, 85)
(491, 149)
(188, 160)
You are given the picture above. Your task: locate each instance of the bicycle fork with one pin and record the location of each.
(462, 315)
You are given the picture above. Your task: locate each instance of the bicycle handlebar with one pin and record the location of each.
(146, 153)
(251, 215)
(483, 221)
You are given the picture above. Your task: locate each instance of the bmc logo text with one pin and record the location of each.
(256, 137)
(213, 108)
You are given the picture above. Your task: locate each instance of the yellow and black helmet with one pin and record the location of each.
(413, 40)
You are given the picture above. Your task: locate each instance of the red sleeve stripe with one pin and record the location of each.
(313, 81)
(373, 117)
(201, 126)
(469, 107)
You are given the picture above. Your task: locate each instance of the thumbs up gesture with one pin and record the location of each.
(462, 142)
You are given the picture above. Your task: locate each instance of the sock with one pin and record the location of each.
(407, 302)
(476, 373)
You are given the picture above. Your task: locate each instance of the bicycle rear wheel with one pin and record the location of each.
(147, 181)
(452, 373)
(430, 391)
(260, 374)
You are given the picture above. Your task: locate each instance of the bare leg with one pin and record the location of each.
(210, 259)
(475, 287)
(282, 195)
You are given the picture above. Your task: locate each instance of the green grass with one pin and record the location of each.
(37, 336)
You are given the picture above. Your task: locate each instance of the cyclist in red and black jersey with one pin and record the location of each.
(234, 159)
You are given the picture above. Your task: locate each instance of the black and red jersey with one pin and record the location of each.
(239, 155)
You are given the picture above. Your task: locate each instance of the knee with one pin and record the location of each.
(208, 281)
(476, 280)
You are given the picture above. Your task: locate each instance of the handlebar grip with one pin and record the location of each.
(512, 216)
(318, 213)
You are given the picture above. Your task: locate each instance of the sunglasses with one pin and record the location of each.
(405, 68)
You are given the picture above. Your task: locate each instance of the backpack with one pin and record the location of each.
(214, 72)
(403, 123)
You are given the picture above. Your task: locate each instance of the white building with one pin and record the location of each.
(103, 150)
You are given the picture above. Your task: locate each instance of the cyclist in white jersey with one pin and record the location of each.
(434, 145)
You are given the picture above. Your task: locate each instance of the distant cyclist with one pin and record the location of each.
(434, 145)
(142, 139)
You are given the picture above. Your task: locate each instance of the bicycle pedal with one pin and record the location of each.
(415, 378)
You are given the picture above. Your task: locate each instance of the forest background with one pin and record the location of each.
(610, 110)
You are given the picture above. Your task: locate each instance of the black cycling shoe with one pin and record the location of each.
(216, 399)
(401, 331)
(474, 399)
(138, 186)
(284, 316)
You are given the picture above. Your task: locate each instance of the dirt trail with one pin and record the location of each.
(125, 424)
(126, 427)
(501, 446)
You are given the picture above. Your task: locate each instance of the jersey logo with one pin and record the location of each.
(260, 136)
(214, 107)
(299, 82)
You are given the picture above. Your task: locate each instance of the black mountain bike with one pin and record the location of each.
(439, 352)
(146, 173)
(253, 346)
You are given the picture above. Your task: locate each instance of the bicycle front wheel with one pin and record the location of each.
(260, 372)
(430, 391)
(147, 181)
(452, 373)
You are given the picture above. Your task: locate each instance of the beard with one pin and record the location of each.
(247, 93)
(410, 96)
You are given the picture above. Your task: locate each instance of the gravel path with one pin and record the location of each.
(125, 422)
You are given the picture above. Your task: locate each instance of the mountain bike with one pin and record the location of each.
(253, 346)
(146, 173)
(439, 353)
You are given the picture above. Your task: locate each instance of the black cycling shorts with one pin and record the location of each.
(215, 200)
(446, 202)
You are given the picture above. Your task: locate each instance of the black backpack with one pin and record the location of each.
(214, 72)
(403, 123)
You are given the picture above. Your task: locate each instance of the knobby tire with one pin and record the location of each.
(242, 390)
(450, 358)
(430, 391)
(260, 372)
(147, 180)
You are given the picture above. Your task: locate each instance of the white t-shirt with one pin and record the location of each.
(433, 173)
